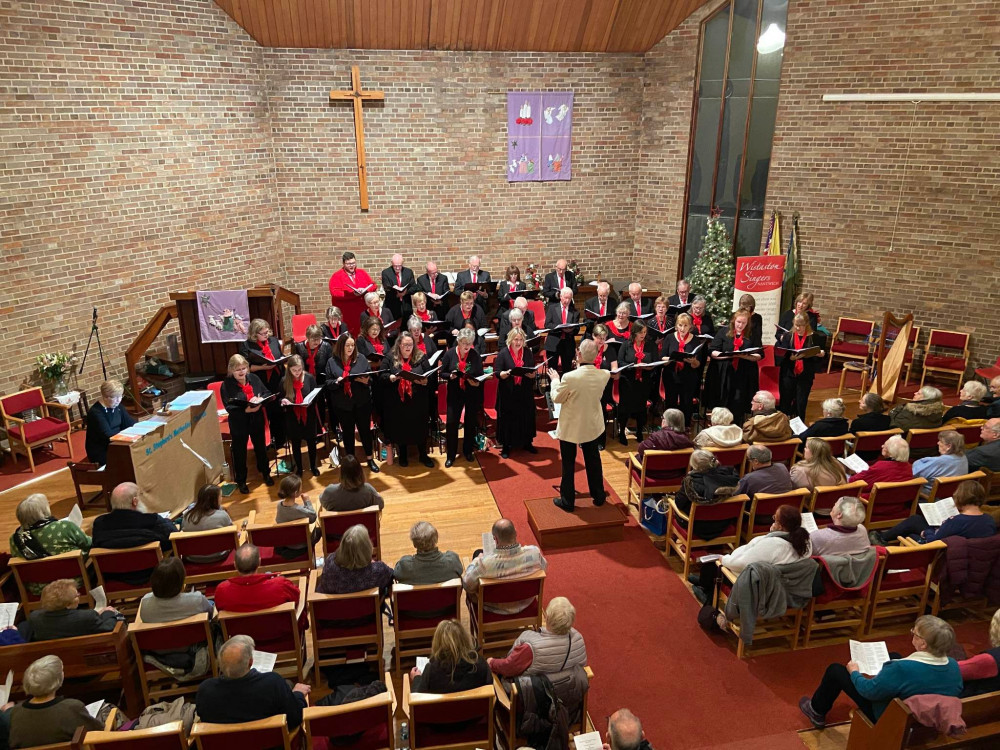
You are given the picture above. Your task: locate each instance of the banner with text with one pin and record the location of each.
(761, 276)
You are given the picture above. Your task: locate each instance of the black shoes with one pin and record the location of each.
(403, 461)
(244, 489)
(622, 439)
(270, 482)
(700, 594)
(314, 470)
(817, 719)
(505, 453)
(599, 503)
(531, 449)
(562, 505)
(470, 457)
(426, 461)
(451, 462)
(372, 466)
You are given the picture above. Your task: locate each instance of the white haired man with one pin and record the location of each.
(560, 347)
(395, 278)
(638, 305)
(602, 304)
(432, 282)
(765, 424)
(556, 280)
(474, 275)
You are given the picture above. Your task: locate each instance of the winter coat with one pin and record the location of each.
(922, 415)
(971, 568)
(766, 428)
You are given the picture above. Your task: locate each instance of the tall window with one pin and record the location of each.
(737, 99)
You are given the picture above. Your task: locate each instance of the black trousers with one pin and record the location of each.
(275, 421)
(640, 422)
(837, 680)
(911, 527)
(296, 442)
(360, 417)
(470, 425)
(794, 392)
(592, 462)
(254, 428)
(562, 357)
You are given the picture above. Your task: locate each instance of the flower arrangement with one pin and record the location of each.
(574, 266)
(533, 276)
(55, 366)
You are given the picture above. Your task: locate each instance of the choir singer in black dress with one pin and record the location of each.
(301, 420)
(515, 395)
(315, 353)
(634, 384)
(459, 366)
(106, 419)
(738, 377)
(260, 348)
(682, 375)
(466, 312)
(334, 325)
(406, 410)
(797, 373)
(511, 283)
(350, 397)
(604, 360)
(372, 345)
(242, 393)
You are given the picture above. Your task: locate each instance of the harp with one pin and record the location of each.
(890, 355)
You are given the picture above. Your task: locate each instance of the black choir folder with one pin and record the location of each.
(259, 359)
(734, 355)
(413, 377)
(809, 351)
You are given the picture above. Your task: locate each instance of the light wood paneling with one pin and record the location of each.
(490, 25)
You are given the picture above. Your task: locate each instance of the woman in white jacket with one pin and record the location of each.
(723, 433)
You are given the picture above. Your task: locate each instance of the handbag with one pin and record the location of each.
(654, 516)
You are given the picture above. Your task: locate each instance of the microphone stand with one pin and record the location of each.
(100, 351)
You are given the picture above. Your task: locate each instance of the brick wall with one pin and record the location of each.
(134, 161)
(436, 154)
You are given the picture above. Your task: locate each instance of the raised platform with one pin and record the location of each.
(555, 528)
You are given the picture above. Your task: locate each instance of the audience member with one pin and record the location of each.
(127, 526)
(241, 694)
(765, 424)
(701, 486)
(972, 394)
(762, 475)
(251, 591)
(818, 467)
(950, 461)
(553, 651)
(927, 671)
(923, 412)
(454, 665)
(40, 535)
(510, 560)
(845, 535)
(722, 433)
(894, 466)
(993, 407)
(832, 424)
(168, 601)
(351, 567)
(206, 515)
(429, 564)
(871, 417)
(352, 492)
(105, 419)
(970, 522)
(987, 455)
(291, 509)
(59, 616)
(981, 673)
(671, 436)
(625, 732)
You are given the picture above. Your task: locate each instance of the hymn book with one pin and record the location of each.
(8, 611)
(741, 352)
(797, 425)
(869, 656)
(939, 512)
(596, 317)
(259, 359)
(854, 462)
(678, 309)
(806, 353)
(809, 522)
(360, 290)
(435, 357)
(437, 297)
(6, 687)
(415, 376)
(681, 356)
(588, 741)
(489, 543)
(263, 661)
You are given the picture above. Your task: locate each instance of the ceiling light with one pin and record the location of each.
(771, 40)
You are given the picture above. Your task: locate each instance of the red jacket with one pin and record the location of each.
(255, 592)
(884, 470)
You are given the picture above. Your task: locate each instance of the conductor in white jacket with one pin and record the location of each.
(581, 423)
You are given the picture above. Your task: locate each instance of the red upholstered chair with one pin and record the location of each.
(851, 340)
(988, 373)
(783, 452)
(451, 720)
(46, 570)
(23, 436)
(735, 456)
(825, 497)
(640, 483)
(490, 404)
(186, 543)
(971, 433)
(109, 562)
(871, 442)
(300, 323)
(168, 736)
(344, 627)
(923, 441)
(786, 625)
(954, 356)
(850, 605)
(333, 526)
(765, 505)
(274, 630)
(251, 735)
(681, 535)
(768, 376)
(943, 487)
(494, 631)
(417, 610)
(363, 725)
(891, 502)
(838, 443)
(268, 536)
(537, 308)
(216, 388)
(163, 636)
(902, 581)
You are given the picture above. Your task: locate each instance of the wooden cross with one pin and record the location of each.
(358, 96)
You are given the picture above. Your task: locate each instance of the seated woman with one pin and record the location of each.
(832, 423)
(704, 478)
(168, 601)
(871, 418)
(352, 492)
(375, 309)
(334, 325)
(845, 535)
(454, 666)
(554, 650)
(970, 522)
(59, 616)
(722, 433)
(671, 436)
(818, 467)
(106, 419)
(351, 567)
(894, 466)
(950, 461)
(787, 542)
(972, 394)
(40, 535)
(923, 412)
(45, 718)
(981, 673)
(927, 671)
(292, 506)
(206, 515)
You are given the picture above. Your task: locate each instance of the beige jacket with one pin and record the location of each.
(719, 436)
(766, 428)
(581, 418)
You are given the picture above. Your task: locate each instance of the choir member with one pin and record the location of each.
(601, 304)
(458, 365)
(514, 320)
(433, 282)
(638, 305)
(557, 280)
(428, 347)
(242, 393)
(511, 283)
(738, 377)
(474, 275)
(351, 398)
(560, 348)
(373, 346)
(796, 374)
(260, 347)
(701, 318)
(106, 419)
(521, 303)
(604, 360)
(515, 395)
(464, 312)
(803, 305)
(406, 410)
(420, 308)
(398, 275)
(620, 328)
(634, 384)
(301, 422)
(348, 288)
(660, 320)
(375, 309)
(334, 325)
(683, 295)
(682, 377)
(756, 324)
(314, 352)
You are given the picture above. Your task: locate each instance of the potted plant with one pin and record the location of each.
(54, 368)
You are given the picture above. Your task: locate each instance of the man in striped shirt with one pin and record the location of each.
(511, 560)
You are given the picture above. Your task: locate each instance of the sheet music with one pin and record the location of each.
(869, 656)
(190, 398)
(797, 425)
(311, 397)
(854, 462)
(6, 687)
(809, 522)
(422, 662)
(709, 558)
(100, 598)
(588, 741)
(939, 512)
(94, 708)
(435, 357)
(8, 611)
(489, 543)
(263, 661)
(617, 370)
(75, 516)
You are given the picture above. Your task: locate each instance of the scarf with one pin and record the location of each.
(678, 366)
(334, 332)
(421, 345)
(598, 358)
(798, 342)
(425, 316)
(300, 413)
(311, 359)
(461, 367)
(518, 360)
(405, 386)
(346, 381)
(265, 349)
(640, 349)
(29, 547)
(737, 345)
(377, 344)
(696, 322)
(661, 324)
(842, 529)
(247, 390)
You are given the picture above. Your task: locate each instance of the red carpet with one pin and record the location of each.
(13, 473)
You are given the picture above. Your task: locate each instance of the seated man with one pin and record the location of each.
(987, 455)
(993, 406)
(511, 560)
(429, 565)
(127, 526)
(252, 591)
(625, 732)
(762, 475)
(846, 535)
(59, 616)
(670, 437)
(766, 424)
(241, 693)
(832, 424)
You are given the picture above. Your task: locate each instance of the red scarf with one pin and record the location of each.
(798, 343)
(461, 367)
(680, 344)
(425, 315)
(347, 382)
(377, 344)
(247, 389)
(518, 360)
(466, 315)
(265, 349)
(405, 386)
(334, 332)
(311, 359)
(696, 322)
(639, 348)
(661, 324)
(598, 358)
(421, 345)
(300, 412)
(618, 332)
(737, 345)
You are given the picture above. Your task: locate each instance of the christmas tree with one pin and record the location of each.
(714, 272)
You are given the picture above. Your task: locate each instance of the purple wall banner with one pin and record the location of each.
(223, 316)
(539, 135)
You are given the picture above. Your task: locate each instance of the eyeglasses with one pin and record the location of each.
(915, 634)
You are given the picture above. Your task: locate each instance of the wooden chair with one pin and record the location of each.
(168, 736)
(147, 637)
(344, 627)
(765, 505)
(942, 487)
(898, 729)
(872, 441)
(681, 536)
(891, 502)
(86, 474)
(43, 571)
(951, 597)
(824, 497)
(417, 610)
(494, 631)
(838, 443)
(274, 630)
(22, 436)
(923, 441)
(735, 457)
(451, 720)
(271, 732)
(902, 581)
(366, 724)
(111, 562)
(787, 625)
(849, 605)
(508, 710)
(953, 361)
(187, 543)
(268, 536)
(988, 373)
(971, 432)
(783, 452)
(857, 347)
(991, 481)
(640, 483)
(333, 525)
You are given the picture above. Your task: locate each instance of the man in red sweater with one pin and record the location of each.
(347, 291)
(252, 591)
